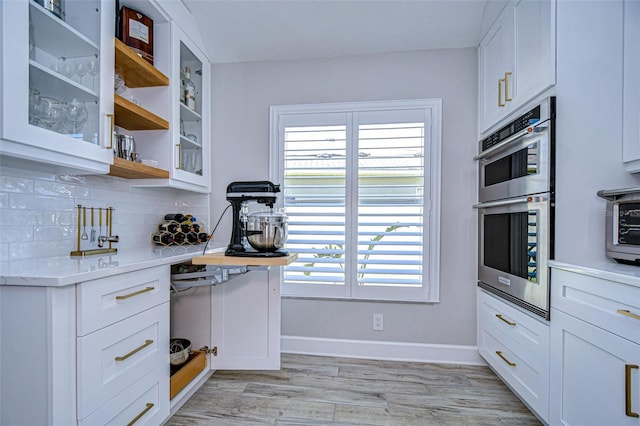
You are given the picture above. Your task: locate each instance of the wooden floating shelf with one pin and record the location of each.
(136, 71)
(133, 117)
(130, 170)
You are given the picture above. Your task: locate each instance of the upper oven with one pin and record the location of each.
(517, 159)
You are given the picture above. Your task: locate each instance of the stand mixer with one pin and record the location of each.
(266, 233)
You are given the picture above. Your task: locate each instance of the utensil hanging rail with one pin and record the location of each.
(110, 238)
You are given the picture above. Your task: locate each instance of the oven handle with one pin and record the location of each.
(505, 144)
(511, 201)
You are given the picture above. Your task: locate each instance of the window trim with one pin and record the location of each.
(431, 288)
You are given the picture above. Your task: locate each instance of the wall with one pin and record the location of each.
(38, 215)
(242, 94)
(589, 124)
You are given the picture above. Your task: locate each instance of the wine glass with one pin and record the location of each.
(93, 68)
(66, 68)
(34, 104)
(81, 70)
(76, 113)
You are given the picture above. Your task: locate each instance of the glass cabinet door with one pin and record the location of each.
(191, 136)
(57, 82)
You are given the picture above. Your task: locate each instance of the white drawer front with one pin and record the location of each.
(113, 358)
(108, 300)
(530, 333)
(526, 374)
(606, 304)
(146, 402)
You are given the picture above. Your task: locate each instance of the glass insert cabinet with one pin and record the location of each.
(57, 92)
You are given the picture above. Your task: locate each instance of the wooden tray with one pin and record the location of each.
(182, 375)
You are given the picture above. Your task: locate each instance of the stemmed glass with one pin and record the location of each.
(81, 70)
(93, 68)
(76, 113)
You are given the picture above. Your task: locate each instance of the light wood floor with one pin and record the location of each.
(313, 390)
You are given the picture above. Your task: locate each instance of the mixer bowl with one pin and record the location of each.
(267, 232)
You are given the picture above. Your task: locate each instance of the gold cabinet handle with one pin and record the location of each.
(135, 293)
(628, 313)
(179, 164)
(499, 353)
(500, 317)
(500, 103)
(135, 351)
(112, 120)
(507, 98)
(148, 407)
(627, 390)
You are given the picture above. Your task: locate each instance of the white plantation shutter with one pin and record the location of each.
(357, 187)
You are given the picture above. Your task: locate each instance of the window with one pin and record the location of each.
(361, 187)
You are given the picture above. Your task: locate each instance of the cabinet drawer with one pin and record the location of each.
(524, 373)
(108, 300)
(610, 305)
(145, 401)
(530, 333)
(115, 357)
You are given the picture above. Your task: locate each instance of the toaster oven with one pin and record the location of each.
(622, 224)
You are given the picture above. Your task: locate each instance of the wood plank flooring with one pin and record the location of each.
(314, 390)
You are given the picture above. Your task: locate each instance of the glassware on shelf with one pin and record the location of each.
(34, 105)
(189, 90)
(76, 114)
(93, 68)
(80, 69)
(65, 67)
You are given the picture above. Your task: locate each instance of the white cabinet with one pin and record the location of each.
(516, 59)
(185, 149)
(238, 320)
(595, 346)
(87, 353)
(57, 84)
(516, 346)
(631, 87)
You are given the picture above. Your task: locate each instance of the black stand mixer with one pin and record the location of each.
(266, 233)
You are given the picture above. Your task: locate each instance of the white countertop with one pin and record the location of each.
(65, 270)
(612, 271)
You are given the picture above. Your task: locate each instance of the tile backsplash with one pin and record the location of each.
(38, 211)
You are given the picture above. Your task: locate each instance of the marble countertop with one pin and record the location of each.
(66, 270)
(606, 270)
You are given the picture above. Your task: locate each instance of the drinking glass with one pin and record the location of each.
(34, 104)
(81, 70)
(76, 114)
(66, 68)
(93, 68)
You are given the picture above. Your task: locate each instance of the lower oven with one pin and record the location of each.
(516, 240)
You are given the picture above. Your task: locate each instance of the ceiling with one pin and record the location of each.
(272, 30)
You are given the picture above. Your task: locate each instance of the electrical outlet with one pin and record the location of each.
(378, 322)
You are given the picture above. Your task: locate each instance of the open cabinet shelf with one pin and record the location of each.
(136, 71)
(133, 117)
(131, 170)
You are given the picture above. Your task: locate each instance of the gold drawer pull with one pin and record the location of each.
(142, 413)
(137, 293)
(628, 313)
(627, 390)
(499, 353)
(506, 86)
(500, 317)
(500, 103)
(135, 351)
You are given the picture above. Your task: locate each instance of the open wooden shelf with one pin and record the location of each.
(136, 71)
(130, 170)
(133, 117)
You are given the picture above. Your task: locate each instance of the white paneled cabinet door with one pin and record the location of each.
(191, 69)
(516, 59)
(595, 378)
(246, 322)
(631, 92)
(57, 83)
(496, 55)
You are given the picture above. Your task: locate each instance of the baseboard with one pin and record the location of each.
(391, 351)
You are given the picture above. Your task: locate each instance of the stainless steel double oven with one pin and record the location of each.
(516, 208)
